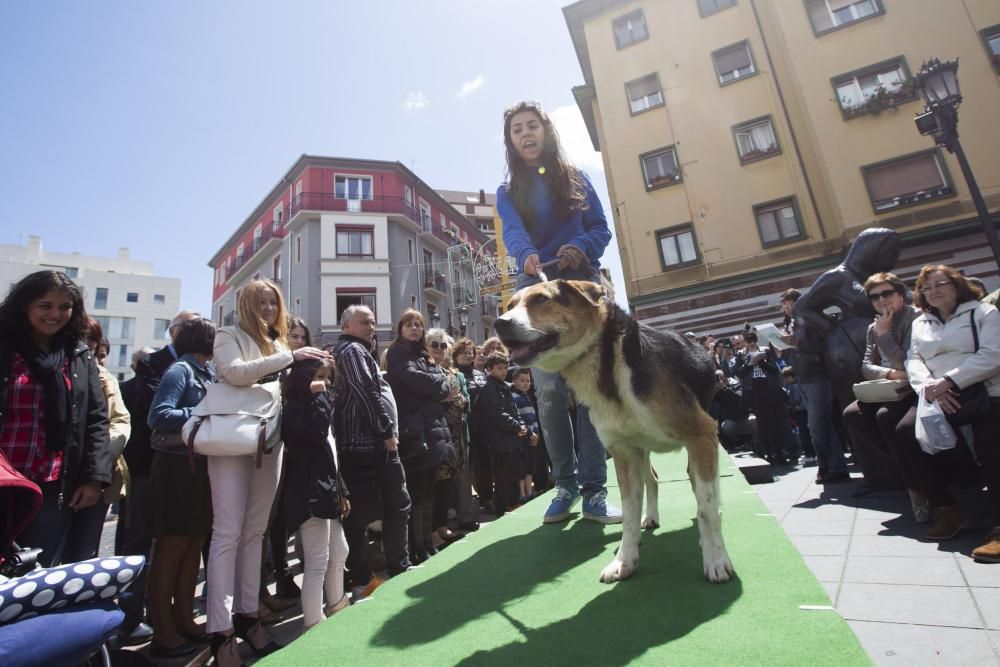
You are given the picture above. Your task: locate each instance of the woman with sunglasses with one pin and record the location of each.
(943, 359)
(551, 212)
(874, 424)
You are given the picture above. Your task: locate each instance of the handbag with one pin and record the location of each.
(881, 391)
(973, 401)
(235, 421)
(170, 442)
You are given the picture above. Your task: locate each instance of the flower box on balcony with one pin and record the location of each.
(666, 179)
(880, 100)
(759, 153)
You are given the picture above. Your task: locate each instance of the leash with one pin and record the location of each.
(540, 273)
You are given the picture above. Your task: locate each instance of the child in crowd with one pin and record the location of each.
(528, 414)
(497, 424)
(797, 411)
(315, 500)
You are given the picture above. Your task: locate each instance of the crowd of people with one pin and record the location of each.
(931, 363)
(384, 457)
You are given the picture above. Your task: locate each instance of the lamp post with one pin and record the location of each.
(435, 320)
(463, 319)
(937, 83)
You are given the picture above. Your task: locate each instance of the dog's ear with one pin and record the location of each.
(592, 292)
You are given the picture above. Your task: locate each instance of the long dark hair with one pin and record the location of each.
(14, 309)
(295, 386)
(565, 182)
(299, 323)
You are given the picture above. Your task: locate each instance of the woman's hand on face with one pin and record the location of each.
(531, 265)
(85, 496)
(310, 353)
(883, 322)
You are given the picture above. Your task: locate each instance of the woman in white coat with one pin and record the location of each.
(255, 351)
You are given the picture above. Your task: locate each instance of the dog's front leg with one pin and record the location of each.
(652, 518)
(629, 468)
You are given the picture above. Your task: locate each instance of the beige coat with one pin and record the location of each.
(240, 361)
(119, 430)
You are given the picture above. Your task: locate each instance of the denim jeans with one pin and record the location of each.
(588, 469)
(819, 404)
(64, 535)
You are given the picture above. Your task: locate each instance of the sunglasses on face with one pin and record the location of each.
(439, 346)
(930, 287)
(885, 294)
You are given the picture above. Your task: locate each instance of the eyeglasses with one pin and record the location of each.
(439, 346)
(930, 287)
(884, 294)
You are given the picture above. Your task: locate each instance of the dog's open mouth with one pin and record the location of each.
(522, 352)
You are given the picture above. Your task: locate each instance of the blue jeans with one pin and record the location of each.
(588, 469)
(819, 404)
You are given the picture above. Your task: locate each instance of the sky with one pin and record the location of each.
(160, 126)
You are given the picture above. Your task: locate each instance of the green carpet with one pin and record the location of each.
(520, 593)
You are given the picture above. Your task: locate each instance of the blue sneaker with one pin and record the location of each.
(561, 505)
(596, 508)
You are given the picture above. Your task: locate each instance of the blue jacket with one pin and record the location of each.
(587, 230)
(181, 388)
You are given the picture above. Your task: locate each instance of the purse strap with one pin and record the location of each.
(975, 331)
(190, 444)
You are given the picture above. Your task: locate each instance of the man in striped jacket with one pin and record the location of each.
(365, 428)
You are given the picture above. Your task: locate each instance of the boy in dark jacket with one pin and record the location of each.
(528, 413)
(497, 424)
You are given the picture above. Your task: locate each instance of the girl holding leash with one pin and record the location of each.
(554, 225)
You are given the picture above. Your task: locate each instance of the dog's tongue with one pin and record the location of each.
(519, 352)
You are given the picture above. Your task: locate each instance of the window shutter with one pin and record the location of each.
(904, 177)
(733, 59)
(643, 87)
(819, 15)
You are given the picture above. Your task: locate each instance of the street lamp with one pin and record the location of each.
(463, 319)
(435, 320)
(937, 83)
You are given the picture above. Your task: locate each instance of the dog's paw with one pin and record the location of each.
(718, 570)
(616, 571)
(650, 522)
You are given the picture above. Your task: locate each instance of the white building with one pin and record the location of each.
(133, 306)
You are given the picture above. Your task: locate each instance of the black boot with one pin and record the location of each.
(428, 528)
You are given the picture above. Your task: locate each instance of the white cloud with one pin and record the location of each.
(575, 140)
(414, 101)
(470, 87)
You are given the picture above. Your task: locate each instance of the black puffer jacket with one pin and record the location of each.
(313, 486)
(87, 457)
(419, 387)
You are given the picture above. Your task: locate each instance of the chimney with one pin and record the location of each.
(482, 196)
(34, 245)
(123, 254)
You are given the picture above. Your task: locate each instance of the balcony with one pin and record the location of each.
(434, 283)
(327, 201)
(269, 232)
(488, 308)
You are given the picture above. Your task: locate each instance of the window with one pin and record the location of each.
(733, 63)
(159, 299)
(906, 181)
(425, 216)
(298, 306)
(707, 7)
(413, 302)
(127, 325)
(644, 93)
(872, 89)
(433, 319)
(470, 209)
(755, 140)
(72, 272)
(101, 298)
(160, 327)
(354, 297)
(123, 355)
(105, 323)
(276, 269)
(355, 242)
(659, 168)
(409, 251)
(677, 246)
(218, 322)
(352, 187)
(408, 194)
(778, 222)
(827, 15)
(991, 38)
(132, 297)
(629, 29)
(298, 248)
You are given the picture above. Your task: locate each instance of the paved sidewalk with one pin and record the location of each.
(909, 601)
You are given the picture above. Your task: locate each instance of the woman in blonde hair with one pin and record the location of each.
(255, 351)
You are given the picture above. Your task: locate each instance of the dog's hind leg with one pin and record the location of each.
(703, 469)
(629, 463)
(652, 518)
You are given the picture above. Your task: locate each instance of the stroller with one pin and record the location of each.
(52, 616)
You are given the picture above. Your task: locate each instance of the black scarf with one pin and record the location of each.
(47, 367)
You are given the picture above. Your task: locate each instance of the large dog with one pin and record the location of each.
(648, 391)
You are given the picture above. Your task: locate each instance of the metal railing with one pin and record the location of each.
(434, 280)
(328, 201)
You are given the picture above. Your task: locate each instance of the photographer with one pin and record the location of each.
(758, 373)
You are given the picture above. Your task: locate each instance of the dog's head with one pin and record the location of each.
(549, 325)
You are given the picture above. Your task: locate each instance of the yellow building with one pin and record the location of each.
(746, 142)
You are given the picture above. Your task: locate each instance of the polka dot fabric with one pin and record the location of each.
(48, 589)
